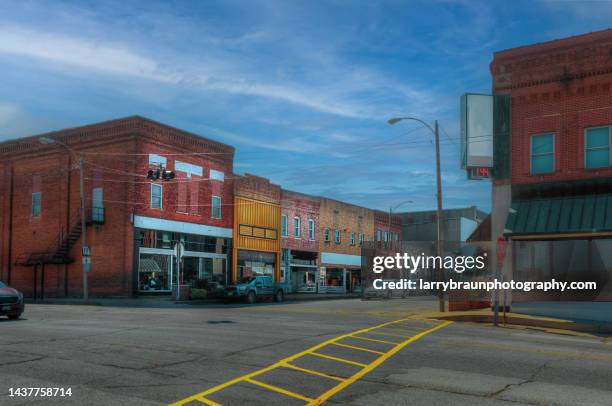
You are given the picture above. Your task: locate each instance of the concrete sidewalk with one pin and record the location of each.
(167, 302)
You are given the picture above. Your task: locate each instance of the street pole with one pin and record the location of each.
(439, 214)
(83, 228)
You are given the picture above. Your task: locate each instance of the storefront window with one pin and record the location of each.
(335, 277)
(203, 273)
(252, 263)
(154, 272)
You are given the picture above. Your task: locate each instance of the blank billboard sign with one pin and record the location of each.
(477, 130)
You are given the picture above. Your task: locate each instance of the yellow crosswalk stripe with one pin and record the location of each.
(312, 372)
(359, 348)
(375, 340)
(346, 361)
(279, 390)
(208, 402)
(388, 334)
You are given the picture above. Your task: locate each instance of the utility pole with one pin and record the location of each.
(439, 228)
(83, 230)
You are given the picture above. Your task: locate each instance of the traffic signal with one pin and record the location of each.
(167, 175)
(153, 174)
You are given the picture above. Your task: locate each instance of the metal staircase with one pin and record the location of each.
(59, 251)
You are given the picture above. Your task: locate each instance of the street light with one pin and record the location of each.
(391, 210)
(436, 134)
(48, 141)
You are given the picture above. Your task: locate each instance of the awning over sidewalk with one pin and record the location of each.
(566, 216)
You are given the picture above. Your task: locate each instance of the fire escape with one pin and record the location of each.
(59, 251)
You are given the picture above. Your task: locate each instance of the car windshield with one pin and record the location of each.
(2, 285)
(248, 279)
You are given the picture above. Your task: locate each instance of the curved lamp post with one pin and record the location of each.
(439, 230)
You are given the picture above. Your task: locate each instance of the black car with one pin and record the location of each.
(11, 302)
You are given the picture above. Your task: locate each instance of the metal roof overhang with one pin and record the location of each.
(561, 217)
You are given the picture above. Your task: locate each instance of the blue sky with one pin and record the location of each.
(301, 89)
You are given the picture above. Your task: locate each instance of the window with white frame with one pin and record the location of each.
(215, 211)
(597, 147)
(337, 236)
(311, 229)
(156, 196)
(386, 236)
(284, 231)
(378, 235)
(296, 227)
(326, 235)
(543, 153)
(352, 238)
(360, 237)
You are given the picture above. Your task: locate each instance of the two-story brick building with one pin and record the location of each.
(552, 192)
(300, 248)
(134, 224)
(343, 228)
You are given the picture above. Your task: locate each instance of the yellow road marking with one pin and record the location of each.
(312, 372)
(388, 334)
(325, 396)
(286, 360)
(375, 340)
(346, 361)
(279, 390)
(209, 402)
(359, 348)
(401, 330)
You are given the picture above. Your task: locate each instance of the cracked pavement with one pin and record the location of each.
(153, 356)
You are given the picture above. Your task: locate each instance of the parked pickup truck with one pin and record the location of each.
(254, 287)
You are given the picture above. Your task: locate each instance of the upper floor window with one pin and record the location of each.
(216, 207)
(311, 229)
(284, 225)
(296, 227)
(352, 238)
(597, 147)
(378, 235)
(36, 204)
(326, 235)
(360, 238)
(543, 153)
(156, 196)
(337, 236)
(386, 236)
(396, 236)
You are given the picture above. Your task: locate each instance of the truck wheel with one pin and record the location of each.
(14, 316)
(251, 298)
(279, 296)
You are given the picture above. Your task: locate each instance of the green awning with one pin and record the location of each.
(563, 215)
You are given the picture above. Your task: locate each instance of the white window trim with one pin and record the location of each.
(285, 232)
(609, 147)
(360, 238)
(212, 208)
(311, 226)
(297, 235)
(352, 238)
(554, 153)
(338, 234)
(327, 235)
(161, 196)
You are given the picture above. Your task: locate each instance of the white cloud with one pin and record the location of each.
(8, 113)
(80, 52)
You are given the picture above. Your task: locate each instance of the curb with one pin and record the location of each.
(531, 321)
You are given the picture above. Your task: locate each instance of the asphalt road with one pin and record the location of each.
(153, 356)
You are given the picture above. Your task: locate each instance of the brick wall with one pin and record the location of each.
(381, 222)
(347, 218)
(305, 207)
(562, 86)
(111, 158)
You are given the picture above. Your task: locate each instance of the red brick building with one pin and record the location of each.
(133, 223)
(299, 229)
(552, 192)
(387, 226)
